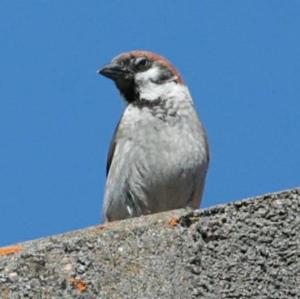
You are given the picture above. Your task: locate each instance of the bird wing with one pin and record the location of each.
(111, 150)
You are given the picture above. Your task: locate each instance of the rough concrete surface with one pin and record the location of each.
(245, 249)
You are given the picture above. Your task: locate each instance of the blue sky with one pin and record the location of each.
(240, 59)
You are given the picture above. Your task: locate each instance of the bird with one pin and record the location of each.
(159, 154)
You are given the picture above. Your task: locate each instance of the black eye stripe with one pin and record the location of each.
(141, 63)
(140, 60)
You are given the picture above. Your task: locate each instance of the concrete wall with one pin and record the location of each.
(246, 249)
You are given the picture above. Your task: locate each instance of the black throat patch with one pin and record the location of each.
(127, 90)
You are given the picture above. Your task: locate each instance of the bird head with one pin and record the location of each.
(142, 75)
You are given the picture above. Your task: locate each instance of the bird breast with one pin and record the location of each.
(165, 146)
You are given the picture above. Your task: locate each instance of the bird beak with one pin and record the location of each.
(113, 71)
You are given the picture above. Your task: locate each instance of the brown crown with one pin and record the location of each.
(153, 57)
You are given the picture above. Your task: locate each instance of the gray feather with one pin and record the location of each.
(155, 164)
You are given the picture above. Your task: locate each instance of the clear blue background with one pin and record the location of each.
(240, 59)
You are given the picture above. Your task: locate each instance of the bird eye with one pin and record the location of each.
(142, 64)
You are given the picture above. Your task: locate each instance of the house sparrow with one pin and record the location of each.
(159, 154)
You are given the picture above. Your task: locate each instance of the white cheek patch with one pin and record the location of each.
(148, 89)
(149, 75)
